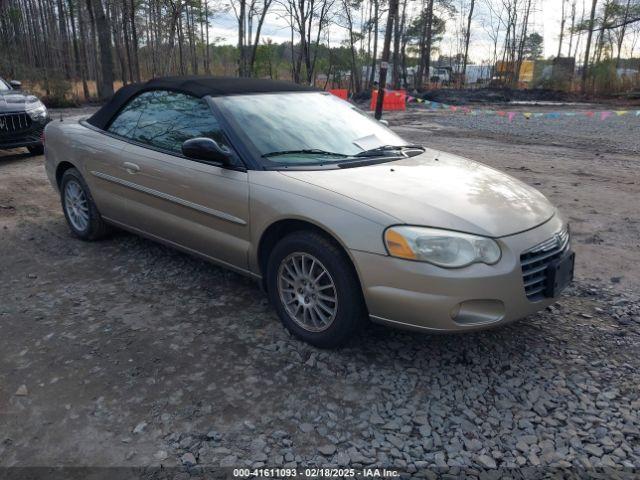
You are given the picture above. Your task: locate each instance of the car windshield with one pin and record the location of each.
(305, 129)
(4, 86)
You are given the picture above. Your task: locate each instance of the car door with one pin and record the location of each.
(196, 205)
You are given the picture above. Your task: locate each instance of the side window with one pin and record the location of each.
(127, 120)
(171, 118)
(166, 120)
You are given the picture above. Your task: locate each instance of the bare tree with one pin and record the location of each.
(562, 24)
(573, 25)
(621, 32)
(467, 37)
(307, 19)
(374, 20)
(105, 80)
(587, 53)
(424, 62)
(248, 13)
(384, 65)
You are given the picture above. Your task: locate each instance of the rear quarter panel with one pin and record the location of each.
(71, 141)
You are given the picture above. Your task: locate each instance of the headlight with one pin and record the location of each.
(37, 110)
(440, 247)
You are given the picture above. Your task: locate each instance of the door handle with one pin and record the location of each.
(131, 167)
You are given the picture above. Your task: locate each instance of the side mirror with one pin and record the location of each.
(16, 85)
(202, 148)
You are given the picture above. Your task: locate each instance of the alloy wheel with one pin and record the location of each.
(76, 205)
(307, 291)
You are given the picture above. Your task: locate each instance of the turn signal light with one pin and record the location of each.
(398, 246)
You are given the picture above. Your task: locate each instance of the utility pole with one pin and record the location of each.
(384, 62)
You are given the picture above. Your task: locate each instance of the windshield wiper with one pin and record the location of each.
(366, 161)
(310, 151)
(381, 151)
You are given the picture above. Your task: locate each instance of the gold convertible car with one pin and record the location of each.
(338, 217)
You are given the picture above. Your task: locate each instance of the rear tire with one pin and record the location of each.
(315, 290)
(79, 209)
(36, 149)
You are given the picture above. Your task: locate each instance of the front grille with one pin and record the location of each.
(14, 122)
(536, 260)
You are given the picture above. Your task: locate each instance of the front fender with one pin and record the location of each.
(274, 198)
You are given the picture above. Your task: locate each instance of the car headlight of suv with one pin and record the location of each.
(443, 248)
(36, 110)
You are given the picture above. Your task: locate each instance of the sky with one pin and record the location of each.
(546, 19)
(549, 20)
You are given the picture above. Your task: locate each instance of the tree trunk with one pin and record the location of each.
(395, 77)
(104, 42)
(520, 50)
(180, 46)
(573, 25)
(79, 68)
(134, 35)
(376, 14)
(562, 23)
(355, 77)
(384, 63)
(428, 40)
(94, 49)
(64, 36)
(403, 45)
(587, 52)
(117, 44)
(254, 47)
(467, 37)
(622, 33)
(419, 76)
(241, 52)
(127, 38)
(206, 22)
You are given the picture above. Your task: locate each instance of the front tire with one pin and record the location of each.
(315, 289)
(79, 209)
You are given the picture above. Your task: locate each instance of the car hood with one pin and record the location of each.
(440, 190)
(14, 101)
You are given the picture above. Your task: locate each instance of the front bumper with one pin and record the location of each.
(421, 296)
(26, 137)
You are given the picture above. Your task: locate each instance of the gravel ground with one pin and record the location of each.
(126, 353)
(616, 134)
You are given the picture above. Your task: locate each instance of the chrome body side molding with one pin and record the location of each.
(170, 198)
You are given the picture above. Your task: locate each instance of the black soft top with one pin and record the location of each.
(192, 85)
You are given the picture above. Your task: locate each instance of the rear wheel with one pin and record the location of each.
(315, 290)
(36, 149)
(79, 209)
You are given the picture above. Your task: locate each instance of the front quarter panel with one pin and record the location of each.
(276, 197)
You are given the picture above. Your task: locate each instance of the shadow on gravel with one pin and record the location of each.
(8, 157)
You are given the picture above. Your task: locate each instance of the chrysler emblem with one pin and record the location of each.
(558, 240)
